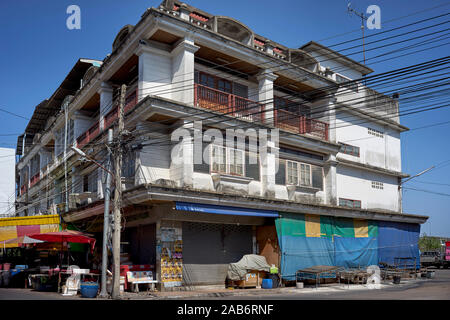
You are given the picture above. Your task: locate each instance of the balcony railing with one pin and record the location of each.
(35, 179)
(219, 101)
(300, 124)
(239, 107)
(94, 131)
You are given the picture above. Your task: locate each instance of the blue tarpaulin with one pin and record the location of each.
(356, 252)
(301, 252)
(209, 208)
(398, 240)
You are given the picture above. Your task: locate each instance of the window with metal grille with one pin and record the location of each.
(375, 133)
(349, 149)
(377, 185)
(349, 203)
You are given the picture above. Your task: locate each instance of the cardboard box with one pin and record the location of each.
(253, 278)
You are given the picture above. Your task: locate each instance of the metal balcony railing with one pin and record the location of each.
(233, 105)
(300, 124)
(219, 101)
(35, 179)
(93, 132)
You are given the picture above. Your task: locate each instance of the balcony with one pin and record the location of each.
(94, 131)
(35, 179)
(293, 122)
(223, 102)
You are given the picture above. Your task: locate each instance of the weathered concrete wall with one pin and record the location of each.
(356, 184)
(383, 152)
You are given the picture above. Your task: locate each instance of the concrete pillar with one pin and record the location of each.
(183, 70)
(268, 152)
(265, 93)
(106, 100)
(330, 180)
(155, 70)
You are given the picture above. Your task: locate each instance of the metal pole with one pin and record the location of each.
(118, 199)
(106, 221)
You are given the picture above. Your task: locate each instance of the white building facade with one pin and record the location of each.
(183, 66)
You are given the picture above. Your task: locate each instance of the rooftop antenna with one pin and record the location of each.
(363, 17)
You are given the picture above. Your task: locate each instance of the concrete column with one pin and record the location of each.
(155, 70)
(106, 100)
(268, 156)
(183, 70)
(324, 110)
(330, 180)
(265, 93)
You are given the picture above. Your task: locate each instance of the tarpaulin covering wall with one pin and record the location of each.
(309, 240)
(11, 228)
(398, 240)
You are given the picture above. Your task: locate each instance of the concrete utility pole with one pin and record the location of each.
(118, 199)
(106, 220)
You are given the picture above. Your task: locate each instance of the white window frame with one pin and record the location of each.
(226, 168)
(300, 173)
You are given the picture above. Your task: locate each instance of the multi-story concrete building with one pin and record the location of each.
(336, 155)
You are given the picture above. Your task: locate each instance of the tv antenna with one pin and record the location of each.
(363, 17)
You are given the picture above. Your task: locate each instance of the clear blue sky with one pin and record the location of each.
(38, 51)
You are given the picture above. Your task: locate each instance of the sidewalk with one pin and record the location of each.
(217, 293)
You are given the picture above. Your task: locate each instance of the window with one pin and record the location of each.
(298, 173)
(236, 160)
(305, 174)
(377, 185)
(291, 106)
(292, 172)
(349, 203)
(219, 159)
(221, 84)
(375, 133)
(348, 149)
(215, 82)
(227, 160)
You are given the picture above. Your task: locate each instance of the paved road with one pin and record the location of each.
(429, 289)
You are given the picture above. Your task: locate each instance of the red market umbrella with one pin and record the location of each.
(65, 236)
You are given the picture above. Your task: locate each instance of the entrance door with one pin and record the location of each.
(266, 236)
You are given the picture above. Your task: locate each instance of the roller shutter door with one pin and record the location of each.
(208, 248)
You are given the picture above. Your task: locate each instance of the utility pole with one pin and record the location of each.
(106, 219)
(118, 199)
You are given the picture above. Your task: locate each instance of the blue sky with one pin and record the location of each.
(38, 51)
